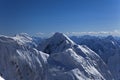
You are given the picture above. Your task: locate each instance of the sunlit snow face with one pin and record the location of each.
(1, 78)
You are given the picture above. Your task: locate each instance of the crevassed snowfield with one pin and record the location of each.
(59, 57)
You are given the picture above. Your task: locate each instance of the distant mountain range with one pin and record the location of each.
(59, 57)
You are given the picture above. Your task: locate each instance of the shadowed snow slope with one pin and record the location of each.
(57, 43)
(108, 48)
(65, 55)
(18, 62)
(57, 58)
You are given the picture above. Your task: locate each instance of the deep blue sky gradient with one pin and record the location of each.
(32, 16)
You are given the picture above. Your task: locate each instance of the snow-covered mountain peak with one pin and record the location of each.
(58, 58)
(23, 36)
(60, 36)
(57, 43)
(110, 37)
(24, 39)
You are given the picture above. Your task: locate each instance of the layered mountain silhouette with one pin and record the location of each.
(55, 58)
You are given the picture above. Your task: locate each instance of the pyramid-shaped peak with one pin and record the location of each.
(61, 36)
(57, 43)
(110, 37)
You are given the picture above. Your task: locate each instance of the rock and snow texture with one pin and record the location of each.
(114, 65)
(57, 43)
(65, 56)
(27, 40)
(23, 38)
(108, 48)
(18, 62)
(56, 58)
(1, 78)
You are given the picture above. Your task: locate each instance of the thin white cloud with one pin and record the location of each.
(39, 33)
(93, 33)
(100, 33)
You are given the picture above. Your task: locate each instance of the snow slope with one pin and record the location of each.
(67, 55)
(108, 48)
(56, 58)
(1, 78)
(27, 40)
(18, 62)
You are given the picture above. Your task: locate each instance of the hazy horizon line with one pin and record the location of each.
(91, 33)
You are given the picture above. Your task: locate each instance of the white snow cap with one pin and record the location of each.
(62, 36)
(1, 78)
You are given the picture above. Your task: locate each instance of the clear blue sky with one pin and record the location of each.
(32, 16)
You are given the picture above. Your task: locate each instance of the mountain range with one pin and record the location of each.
(59, 57)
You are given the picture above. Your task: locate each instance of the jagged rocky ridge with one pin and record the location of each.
(108, 48)
(56, 58)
